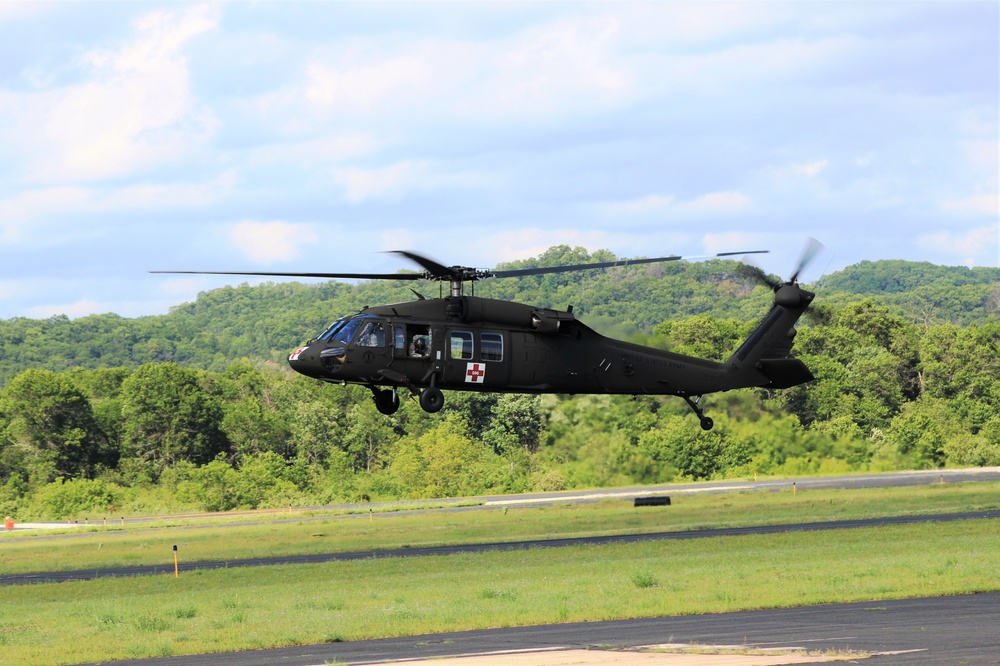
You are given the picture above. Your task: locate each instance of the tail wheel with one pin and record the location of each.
(432, 399)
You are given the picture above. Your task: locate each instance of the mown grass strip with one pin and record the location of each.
(242, 609)
(106, 548)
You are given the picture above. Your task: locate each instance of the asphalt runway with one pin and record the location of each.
(912, 632)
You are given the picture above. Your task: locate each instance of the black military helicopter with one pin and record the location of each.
(464, 342)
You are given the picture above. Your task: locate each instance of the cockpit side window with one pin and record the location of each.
(372, 335)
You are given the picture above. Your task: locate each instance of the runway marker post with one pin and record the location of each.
(177, 573)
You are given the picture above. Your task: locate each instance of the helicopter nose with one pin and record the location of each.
(317, 360)
(302, 360)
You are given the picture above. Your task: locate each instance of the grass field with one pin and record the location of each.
(270, 606)
(201, 538)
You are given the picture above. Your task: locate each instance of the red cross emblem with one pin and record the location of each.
(475, 373)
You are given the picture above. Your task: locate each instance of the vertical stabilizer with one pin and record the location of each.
(762, 359)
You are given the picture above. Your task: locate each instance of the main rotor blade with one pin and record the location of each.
(429, 265)
(436, 271)
(606, 264)
(361, 276)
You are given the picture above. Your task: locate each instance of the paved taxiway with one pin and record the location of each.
(907, 632)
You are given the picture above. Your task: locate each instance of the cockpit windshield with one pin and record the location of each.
(343, 329)
(332, 329)
(345, 332)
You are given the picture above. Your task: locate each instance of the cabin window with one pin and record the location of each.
(372, 335)
(461, 345)
(491, 346)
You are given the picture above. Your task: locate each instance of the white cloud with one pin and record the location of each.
(871, 123)
(811, 169)
(531, 242)
(697, 23)
(798, 172)
(12, 9)
(267, 242)
(364, 87)
(327, 149)
(649, 204)
(706, 205)
(552, 69)
(736, 241)
(175, 287)
(19, 212)
(536, 73)
(717, 203)
(397, 239)
(135, 110)
(364, 184)
(79, 308)
(976, 246)
(982, 204)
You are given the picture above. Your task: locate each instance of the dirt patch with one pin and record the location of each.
(646, 657)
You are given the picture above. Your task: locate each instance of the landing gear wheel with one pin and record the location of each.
(706, 422)
(386, 402)
(432, 399)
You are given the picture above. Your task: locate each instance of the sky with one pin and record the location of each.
(317, 136)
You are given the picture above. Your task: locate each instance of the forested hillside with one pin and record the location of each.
(196, 409)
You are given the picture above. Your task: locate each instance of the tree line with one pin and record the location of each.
(191, 429)
(265, 322)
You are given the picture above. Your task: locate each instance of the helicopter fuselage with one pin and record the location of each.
(478, 344)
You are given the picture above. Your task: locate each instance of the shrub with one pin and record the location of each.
(76, 497)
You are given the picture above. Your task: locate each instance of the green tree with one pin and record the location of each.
(368, 433)
(922, 430)
(211, 486)
(171, 414)
(263, 481)
(253, 421)
(515, 423)
(446, 462)
(50, 424)
(316, 432)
